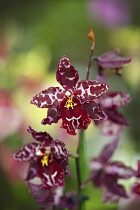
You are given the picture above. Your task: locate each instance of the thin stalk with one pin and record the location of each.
(79, 182)
(89, 64)
(80, 167)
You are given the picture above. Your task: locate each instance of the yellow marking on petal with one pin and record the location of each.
(70, 103)
(45, 160)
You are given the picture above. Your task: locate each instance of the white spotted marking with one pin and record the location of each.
(48, 179)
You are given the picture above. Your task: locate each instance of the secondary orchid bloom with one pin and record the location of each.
(48, 159)
(75, 104)
(106, 174)
(110, 103)
(52, 198)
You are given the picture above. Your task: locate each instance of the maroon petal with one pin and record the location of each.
(52, 175)
(48, 98)
(65, 165)
(119, 170)
(58, 150)
(32, 171)
(111, 183)
(112, 60)
(116, 117)
(94, 111)
(89, 90)
(115, 99)
(74, 118)
(97, 178)
(60, 154)
(27, 152)
(108, 150)
(40, 136)
(110, 197)
(66, 75)
(53, 115)
(41, 196)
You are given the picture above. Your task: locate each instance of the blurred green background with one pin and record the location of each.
(34, 35)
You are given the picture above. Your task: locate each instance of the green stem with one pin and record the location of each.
(89, 64)
(80, 167)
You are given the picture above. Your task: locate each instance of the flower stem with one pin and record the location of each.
(89, 64)
(80, 167)
(78, 162)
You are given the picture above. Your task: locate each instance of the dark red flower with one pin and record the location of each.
(74, 104)
(48, 159)
(110, 103)
(105, 174)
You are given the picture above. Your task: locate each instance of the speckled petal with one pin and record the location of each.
(66, 75)
(40, 136)
(94, 111)
(27, 152)
(48, 98)
(88, 90)
(58, 149)
(52, 175)
(119, 170)
(53, 115)
(115, 99)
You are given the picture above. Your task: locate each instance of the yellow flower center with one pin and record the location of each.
(45, 160)
(70, 103)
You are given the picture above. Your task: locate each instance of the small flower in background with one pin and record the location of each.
(105, 174)
(48, 159)
(110, 103)
(110, 60)
(110, 12)
(75, 104)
